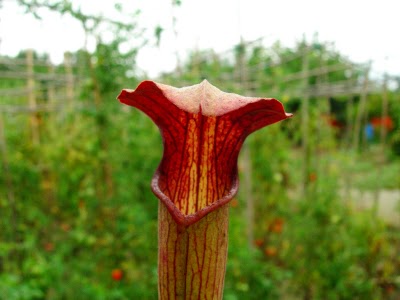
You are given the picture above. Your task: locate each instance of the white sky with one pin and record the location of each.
(362, 30)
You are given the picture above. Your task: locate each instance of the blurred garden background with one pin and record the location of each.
(318, 211)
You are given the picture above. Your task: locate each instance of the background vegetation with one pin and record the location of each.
(317, 215)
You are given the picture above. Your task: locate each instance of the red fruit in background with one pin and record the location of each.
(49, 246)
(65, 227)
(270, 251)
(117, 274)
(81, 204)
(386, 122)
(277, 225)
(258, 242)
(312, 177)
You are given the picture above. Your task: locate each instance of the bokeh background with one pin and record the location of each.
(317, 215)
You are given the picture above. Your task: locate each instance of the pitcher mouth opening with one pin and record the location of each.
(187, 220)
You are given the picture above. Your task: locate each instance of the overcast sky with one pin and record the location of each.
(363, 30)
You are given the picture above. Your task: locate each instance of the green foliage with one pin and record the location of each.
(83, 207)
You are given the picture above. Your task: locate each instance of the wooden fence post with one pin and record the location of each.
(349, 85)
(385, 109)
(349, 121)
(383, 133)
(51, 94)
(321, 130)
(305, 122)
(247, 189)
(34, 118)
(361, 110)
(107, 190)
(69, 76)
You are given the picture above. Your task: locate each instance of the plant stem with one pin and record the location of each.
(192, 260)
